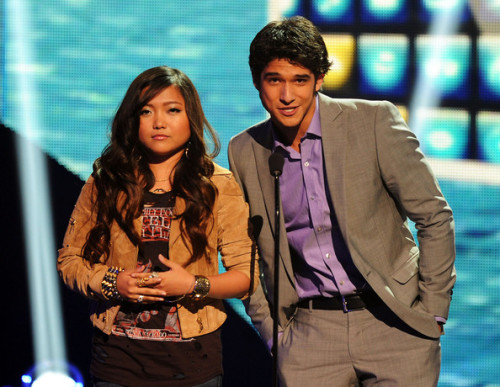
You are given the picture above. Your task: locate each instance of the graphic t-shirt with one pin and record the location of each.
(145, 347)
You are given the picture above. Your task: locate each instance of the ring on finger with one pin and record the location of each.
(154, 274)
(140, 298)
(142, 282)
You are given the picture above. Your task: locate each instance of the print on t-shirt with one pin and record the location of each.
(158, 321)
(156, 223)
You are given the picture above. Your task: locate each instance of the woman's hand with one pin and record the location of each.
(179, 282)
(137, 286)
(175, 282)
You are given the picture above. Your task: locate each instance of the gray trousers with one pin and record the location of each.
(322, 348)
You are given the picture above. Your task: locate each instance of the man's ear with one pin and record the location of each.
(319, 82)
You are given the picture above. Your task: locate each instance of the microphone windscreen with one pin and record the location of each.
(276, 162)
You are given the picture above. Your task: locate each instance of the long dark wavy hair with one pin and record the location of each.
(122, 172)
(295, 39)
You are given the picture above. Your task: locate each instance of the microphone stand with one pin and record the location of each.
(276, 277)
(276, 162)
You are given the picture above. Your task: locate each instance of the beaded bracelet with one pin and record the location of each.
(108, 284)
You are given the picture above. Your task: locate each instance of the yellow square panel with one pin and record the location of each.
(341, 51)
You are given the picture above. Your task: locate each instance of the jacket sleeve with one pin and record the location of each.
(235, 242)
(409, 178)
(257, 305)
(76, 272)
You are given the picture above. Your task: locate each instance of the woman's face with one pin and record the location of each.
(164, 126)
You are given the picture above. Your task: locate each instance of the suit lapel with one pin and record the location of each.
(334, 135)
(266, 181)
(262, 152)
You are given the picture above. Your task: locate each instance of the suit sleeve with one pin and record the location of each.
(257, 306)
(410, 180)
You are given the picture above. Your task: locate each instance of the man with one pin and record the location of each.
(360, 303)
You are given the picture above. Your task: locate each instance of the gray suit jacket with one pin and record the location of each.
(378, 177)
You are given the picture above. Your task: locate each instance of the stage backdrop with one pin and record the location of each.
(66, 64)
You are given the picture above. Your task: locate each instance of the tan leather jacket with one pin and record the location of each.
(229, 237)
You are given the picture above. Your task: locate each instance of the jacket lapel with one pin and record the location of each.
(266, 181)
(334, 135)
(175, 230)
(262, 152)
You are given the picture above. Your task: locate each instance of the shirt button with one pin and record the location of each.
(328, 255)
(319, 229)
(306, 163)
(341, 282)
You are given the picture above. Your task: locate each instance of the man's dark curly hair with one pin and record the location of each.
(295, 39)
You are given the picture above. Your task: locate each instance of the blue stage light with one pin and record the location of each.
(388, 11)
(43, 282)
(489, 67)
(445, 62)
(488, 129)
(288, 8)
(444, 132)
(48, 374)
(430, 9)
(383, 61)
(332, 11)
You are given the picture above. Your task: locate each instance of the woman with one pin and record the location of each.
(144, 237)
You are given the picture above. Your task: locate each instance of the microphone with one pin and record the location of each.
(276, 162)
(257, 222)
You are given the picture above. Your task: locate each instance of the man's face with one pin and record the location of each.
(287, 92)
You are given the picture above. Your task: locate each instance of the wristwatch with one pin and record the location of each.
(201, 287)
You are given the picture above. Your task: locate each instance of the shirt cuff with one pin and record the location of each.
(439, 319)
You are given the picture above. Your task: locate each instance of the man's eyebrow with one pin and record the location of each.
(271, 74)
(275, 74)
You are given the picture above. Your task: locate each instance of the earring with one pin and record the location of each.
(186, 151)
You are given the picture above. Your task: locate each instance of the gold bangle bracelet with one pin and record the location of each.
(201, 287)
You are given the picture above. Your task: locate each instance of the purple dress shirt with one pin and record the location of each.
(320, 258)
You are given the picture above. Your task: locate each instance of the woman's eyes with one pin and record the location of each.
(171, 110)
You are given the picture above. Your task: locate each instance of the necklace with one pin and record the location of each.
(160, 191)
